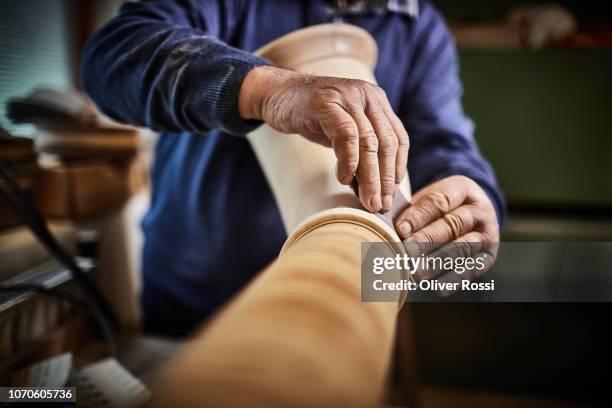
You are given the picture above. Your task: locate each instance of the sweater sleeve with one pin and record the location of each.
(162, 64)
(441, 135)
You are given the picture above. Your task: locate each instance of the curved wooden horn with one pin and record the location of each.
(299, 334)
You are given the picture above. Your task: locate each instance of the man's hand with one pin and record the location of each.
(352, 116)
(453, 210)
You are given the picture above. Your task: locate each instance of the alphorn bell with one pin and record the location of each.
(299, 334)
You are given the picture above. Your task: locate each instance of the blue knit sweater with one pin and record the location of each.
(176, 66)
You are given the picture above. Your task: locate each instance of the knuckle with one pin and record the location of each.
(425, 237)
(467, 182)
(380, 91)
(455, 224)
(358, 87)
(439, 202)
(369, 142)
(462, 241)
(388, 181)
(418, 217)
(346, 131)
(374, 111)
(388, 145)
(482, 218)
(420, 237)
(352, 86)
(403, 140)
(372, 89)
(324, 94)
(486, 218)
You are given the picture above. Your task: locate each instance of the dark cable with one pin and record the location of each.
(19, 204)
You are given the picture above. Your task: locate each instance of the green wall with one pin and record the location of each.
(544, 119)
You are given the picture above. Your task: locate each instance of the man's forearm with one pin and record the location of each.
(149, 67)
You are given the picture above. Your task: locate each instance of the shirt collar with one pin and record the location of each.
(343, 8)
(407, 7)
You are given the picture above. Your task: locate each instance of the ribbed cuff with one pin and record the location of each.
(227, 108)
(214, 80)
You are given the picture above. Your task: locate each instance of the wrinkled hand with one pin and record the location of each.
(352, 116)
(453, 210)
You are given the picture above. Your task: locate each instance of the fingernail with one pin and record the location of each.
(386, 202)
(375, 203)
(404, 228)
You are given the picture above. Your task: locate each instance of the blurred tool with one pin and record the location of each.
(541, 25)
(89, 165)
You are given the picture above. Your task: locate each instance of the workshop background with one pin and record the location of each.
(538, 85)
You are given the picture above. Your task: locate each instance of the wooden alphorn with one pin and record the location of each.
(299, 334)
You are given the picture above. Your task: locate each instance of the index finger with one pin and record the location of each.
(368, 174)
(428, 208)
